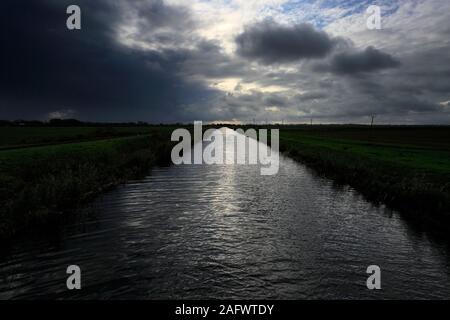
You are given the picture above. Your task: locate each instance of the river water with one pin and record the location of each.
(225, 231)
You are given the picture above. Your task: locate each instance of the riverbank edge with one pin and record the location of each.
(39, 204)
(416, 196)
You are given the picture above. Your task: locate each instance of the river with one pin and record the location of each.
(225, 231)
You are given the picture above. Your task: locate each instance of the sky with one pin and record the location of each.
(237, 61)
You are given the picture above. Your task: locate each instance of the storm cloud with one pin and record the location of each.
(270, 42)
(47, 68)
(369, 60)
(178, 61)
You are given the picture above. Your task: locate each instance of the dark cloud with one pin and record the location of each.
(369, 60)
(155, 22)
(270, 42)
(47, 68)
(275, 100)
(208, 60)
(156, 14)
(146, 60)
(311, 96)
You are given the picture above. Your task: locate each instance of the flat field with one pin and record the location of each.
(405, 167)
(45, 172)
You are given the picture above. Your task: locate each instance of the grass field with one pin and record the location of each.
(12, 137)
(46, 170)
(405, 167)
(39, 183)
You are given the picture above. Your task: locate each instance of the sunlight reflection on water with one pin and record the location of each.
(225, 231)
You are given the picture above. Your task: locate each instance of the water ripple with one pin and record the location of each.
(227, 232)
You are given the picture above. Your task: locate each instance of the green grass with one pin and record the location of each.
(39, 184)
(423, 159)
(12, 137)
(47, 171)
(405, 167)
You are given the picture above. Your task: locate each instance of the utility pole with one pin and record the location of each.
(311, 121)
(371, 122)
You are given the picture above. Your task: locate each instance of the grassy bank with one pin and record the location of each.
(45, 171)
(39, 184)
(19, 137)
(408, 168)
